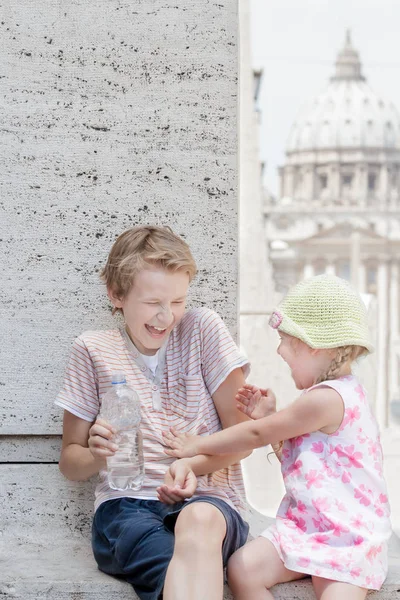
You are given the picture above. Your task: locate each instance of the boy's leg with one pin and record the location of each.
(207, 531)
(129, 540)
(326, 589)
(255, 568)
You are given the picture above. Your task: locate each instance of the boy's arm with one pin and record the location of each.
(202, 464)
(317, 409)
(77, 461)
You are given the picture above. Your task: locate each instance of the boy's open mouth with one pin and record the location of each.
(155, 331)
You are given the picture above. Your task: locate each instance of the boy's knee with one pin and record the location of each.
(201, 520)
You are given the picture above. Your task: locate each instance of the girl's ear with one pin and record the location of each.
(115, 300)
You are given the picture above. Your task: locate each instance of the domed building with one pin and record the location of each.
(339, 206)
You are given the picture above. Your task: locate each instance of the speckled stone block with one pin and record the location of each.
(113, 114)
(45, 549)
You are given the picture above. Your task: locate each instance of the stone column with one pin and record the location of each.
(288, 181)
(383, 186)
(330, 268)
(361, 185)
(308, 270)
(335, 182)
(394, 327)
(308, 183)
(355, 259)
(362, 278)
(381, 407)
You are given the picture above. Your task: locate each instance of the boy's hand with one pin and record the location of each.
(180, 445)
(100, 439)
(179, 483)
(256, 402)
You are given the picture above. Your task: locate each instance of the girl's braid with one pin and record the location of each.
(343, 355)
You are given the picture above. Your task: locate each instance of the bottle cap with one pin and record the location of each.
(118, 377)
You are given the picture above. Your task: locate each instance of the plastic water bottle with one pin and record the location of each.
(120, 407)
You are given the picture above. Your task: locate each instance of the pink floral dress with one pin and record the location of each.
(333, 521)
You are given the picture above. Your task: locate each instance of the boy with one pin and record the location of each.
(175, 533)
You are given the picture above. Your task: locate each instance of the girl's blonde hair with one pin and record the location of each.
(140, 247)
(344, 354)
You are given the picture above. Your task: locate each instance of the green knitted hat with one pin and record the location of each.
(324, 312)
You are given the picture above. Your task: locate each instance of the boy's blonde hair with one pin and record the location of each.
(143, 246)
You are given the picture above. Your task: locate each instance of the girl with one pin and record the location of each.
(333, 522)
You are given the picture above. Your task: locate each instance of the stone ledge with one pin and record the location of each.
(45, 543)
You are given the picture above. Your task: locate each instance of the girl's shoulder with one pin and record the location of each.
(349, 388)
(357, 412)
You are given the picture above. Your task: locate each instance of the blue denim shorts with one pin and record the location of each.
(134, 539)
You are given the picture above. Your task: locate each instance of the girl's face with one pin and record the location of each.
(306, 364)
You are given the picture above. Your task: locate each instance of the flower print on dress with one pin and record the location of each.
(301, 507)
(298, 522)
(358, 522)
(381, 506)
(317, 447)
(303, 562)
(319, 539)
(356, 572)
(373, 553)
(294, 469)
(327, 469)
(375, 449)
(359, 390)
(351, 455)
(320, 524)
(358, 540)
(346, 477)
(335, 564)
(361, 494)
(321, 504)
(339, 528)
(314, 479)
(351, 415)
(297, 441)
(361, 437)
(374, 582)
(340, 506)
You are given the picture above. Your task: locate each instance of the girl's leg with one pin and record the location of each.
(255, 568)
(326, 589)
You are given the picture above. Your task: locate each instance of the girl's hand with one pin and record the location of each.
(100, 441)
(179, 483)
(256, 402)
(180, 445)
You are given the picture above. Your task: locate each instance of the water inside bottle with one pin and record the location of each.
(126, 467)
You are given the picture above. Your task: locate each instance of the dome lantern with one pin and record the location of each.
(348, 64)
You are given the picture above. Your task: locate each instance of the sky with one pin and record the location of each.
(296, 42)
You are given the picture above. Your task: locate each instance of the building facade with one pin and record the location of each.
(339, 208)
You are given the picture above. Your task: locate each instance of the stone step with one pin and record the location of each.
(45, 548)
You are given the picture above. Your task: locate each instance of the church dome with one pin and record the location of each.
(347, 114)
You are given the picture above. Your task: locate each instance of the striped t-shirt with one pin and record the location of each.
(198, 356)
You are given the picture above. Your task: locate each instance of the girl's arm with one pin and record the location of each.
(203, 463)
(314, 410)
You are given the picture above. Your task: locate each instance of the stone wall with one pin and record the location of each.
(114, 113)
